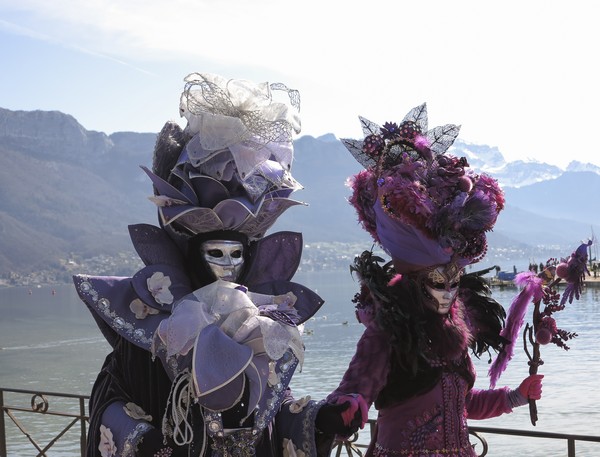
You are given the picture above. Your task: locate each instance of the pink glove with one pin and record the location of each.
(531, 387)
(357, 402)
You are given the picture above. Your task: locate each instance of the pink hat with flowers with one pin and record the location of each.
(422, 206)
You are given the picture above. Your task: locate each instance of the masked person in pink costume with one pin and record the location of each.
(206, 336)
(423, 314)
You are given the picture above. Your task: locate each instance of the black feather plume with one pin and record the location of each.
(168, 147)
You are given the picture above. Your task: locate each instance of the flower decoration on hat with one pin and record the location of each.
(423, 191)
(230, 169)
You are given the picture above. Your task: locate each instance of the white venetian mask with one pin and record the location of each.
(225, 258)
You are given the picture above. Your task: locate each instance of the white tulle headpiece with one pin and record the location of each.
(230, 168)
(241, 115)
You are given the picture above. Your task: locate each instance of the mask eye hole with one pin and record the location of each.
(217, 253)
(438, 286)
(454, 285)
(237, 254)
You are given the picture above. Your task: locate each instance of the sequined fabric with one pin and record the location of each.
(428, 424)
(240, 443)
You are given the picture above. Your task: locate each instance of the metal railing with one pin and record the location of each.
(351, 447)
(39, 404)
(569, 438)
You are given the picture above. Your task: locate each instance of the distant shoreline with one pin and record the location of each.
(589, 281)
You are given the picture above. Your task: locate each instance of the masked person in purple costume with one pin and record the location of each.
(206, 336)
(430, 213)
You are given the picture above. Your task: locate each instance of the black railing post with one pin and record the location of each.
(2, 426)
(83, 438)
(571, 447)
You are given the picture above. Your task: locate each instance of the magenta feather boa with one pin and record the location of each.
(532, 291)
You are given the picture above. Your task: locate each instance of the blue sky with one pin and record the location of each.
(520, 75)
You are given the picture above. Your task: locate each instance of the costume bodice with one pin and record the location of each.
(430, 424)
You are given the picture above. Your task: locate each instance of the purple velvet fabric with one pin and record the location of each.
(408, 246)
(154, 246)
(275, 257)
(425, 422)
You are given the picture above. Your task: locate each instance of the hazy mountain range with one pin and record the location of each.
(67, 192)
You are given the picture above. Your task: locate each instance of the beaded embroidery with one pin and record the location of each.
(134, 438)
(164, 452)
(419, 429)
(116, 321)
(465, 451)
(236, 444)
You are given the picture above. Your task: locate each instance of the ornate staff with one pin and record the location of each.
(540, 289)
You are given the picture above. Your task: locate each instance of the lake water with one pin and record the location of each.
(50, 342)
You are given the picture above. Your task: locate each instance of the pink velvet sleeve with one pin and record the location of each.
(484, 404)
(368, 370)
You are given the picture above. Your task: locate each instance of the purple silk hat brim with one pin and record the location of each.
(408, 246)
(218, 369)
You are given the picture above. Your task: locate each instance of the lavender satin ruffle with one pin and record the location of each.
(408, 246)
